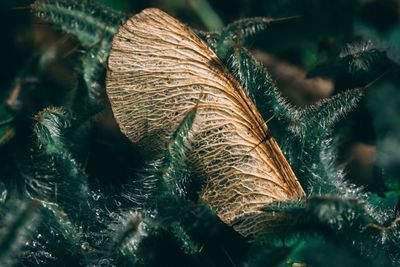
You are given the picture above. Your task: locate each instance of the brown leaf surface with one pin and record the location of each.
(158, 71)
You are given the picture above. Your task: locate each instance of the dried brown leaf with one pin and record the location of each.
(158, 71)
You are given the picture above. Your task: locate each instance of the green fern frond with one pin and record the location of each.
(174, 170)
(93, 25)
(89, 22)
(324, 114)
(52, 162)
(260, 86)
(187, 244)
(238, 33)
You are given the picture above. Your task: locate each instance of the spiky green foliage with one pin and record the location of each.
(77, 211)
(149, 214)
(302, 133)
(86, 20)
(93, 25)
(236, 34)
(48, 181)
(175, 171)
(357, 64)
(333, 204)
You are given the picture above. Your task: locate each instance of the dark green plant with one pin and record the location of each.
(61, 212)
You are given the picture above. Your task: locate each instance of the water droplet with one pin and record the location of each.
(95, 196)
(3, 193)
(45, 254)
(85, 246)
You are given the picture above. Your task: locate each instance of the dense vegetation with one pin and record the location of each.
(75, 192)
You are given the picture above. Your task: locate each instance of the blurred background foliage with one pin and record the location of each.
(317, 54)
